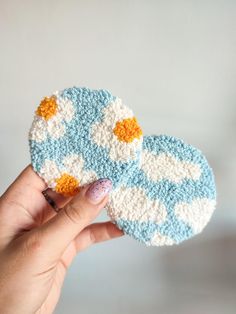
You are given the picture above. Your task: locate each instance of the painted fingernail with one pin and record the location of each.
(98, 190)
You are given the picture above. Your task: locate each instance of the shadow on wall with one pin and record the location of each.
(201, 277)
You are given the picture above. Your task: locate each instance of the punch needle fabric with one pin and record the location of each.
(169, 198)
(163, 188)
(79, 135)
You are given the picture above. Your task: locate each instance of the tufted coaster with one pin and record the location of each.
(170, 196)
(79, 135)
(163, 189)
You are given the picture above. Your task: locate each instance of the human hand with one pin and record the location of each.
(37, 245)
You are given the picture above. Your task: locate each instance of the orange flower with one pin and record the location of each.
(47, 108)
(67, 185)
(127, 130)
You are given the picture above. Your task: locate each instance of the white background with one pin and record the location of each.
(173, 63)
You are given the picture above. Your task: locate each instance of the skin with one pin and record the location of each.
(37, 245)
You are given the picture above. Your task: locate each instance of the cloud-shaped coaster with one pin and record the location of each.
(79, 135)
(170, 196)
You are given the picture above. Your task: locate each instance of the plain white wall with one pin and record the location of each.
(173, 63)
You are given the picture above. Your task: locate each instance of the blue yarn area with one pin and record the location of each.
(144, 231)
(168, 192)
(88, 105)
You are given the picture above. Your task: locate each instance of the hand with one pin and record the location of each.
(37, 245)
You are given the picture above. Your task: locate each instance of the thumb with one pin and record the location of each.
(58, 232)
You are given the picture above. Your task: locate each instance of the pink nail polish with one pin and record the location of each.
(98, 190)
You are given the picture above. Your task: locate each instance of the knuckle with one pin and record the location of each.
(75, 213)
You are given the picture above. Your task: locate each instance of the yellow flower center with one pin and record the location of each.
(47, 108)
(67, 185)
(127, 130)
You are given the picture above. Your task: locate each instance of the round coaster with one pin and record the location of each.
(79, 135)
(169, 198)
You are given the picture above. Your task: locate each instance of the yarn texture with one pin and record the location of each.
(79, 135)
(163, 188)
(169, 197)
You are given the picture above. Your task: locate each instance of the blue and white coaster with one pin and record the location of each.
(169, 198)
(163, 189)
(79, 135)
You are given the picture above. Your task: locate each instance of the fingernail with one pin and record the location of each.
(98, 190)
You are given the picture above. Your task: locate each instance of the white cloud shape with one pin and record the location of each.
(165, 166)
(196, 214)
(159, 239)
(134, 205)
